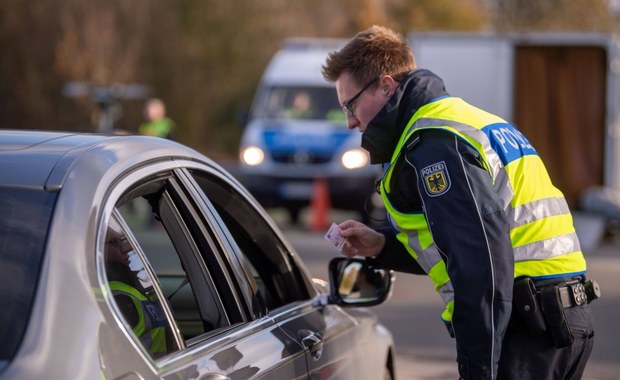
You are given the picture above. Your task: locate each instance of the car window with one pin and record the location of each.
(171, 274)
(24, 219)
(160, 224)
(134, 293)
(265, 258)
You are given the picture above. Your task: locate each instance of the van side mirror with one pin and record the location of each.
(352, 282)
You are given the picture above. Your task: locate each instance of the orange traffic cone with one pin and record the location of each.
(320, 206)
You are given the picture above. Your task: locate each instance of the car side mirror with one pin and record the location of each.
(352, 282)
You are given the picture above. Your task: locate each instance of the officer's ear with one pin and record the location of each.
(387, 85)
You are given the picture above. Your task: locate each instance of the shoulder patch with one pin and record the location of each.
(436, 179)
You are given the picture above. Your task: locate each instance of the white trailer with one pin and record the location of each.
(561, 89)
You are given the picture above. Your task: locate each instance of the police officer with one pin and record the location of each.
(144, 314)
(470, 204)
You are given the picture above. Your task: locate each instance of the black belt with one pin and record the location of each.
(540, 305)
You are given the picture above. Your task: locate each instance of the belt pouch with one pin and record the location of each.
(526, 303)
(554, 314)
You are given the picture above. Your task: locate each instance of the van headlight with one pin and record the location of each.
(252, 155)
(355, 158)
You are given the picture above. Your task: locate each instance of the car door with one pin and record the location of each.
(281, 283)
(201, 298)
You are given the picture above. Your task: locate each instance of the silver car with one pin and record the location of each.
(132, 257)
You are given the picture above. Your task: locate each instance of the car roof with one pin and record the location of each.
(42, 159)
(27, 157)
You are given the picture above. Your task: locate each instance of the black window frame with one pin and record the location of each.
(229, 198)
(189, 238)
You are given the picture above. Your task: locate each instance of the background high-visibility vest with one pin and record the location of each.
(152, 336)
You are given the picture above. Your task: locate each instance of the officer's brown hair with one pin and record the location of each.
(371, 53)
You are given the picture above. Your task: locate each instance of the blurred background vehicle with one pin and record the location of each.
(296, 137)
(138, 257)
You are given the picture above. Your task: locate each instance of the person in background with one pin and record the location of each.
(301, 106)
(470, 204)
(157, 123)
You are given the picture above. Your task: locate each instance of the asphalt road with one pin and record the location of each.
(424, 349)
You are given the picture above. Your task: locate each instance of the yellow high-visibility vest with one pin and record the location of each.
(153, 338)
(542, 233)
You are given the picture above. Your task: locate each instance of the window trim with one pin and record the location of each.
(152, 278)
(285, 255)
(234, 269)
(127, 182)
(194, 262)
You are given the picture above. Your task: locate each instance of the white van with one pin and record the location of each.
(297, 133)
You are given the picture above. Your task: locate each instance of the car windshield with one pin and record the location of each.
(24, 220)
(318, 103)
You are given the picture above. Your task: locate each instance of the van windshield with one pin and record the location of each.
(318, 103)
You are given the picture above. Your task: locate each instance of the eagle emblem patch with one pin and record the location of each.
(436, 179)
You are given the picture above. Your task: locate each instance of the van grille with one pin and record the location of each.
(301, 159)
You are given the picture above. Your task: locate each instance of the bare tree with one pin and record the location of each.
(555, 15)
(204, 57)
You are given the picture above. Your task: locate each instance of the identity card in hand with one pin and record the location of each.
(333, 235)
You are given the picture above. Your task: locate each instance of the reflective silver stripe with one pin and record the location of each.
(503, 188)
(430, 255)
(501, 182)
(447, 292)
(536, 210)
(520, 215)
(427, 258)
(494, 161)
(545, 249)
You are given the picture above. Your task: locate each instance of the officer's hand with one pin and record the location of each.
(361, 240)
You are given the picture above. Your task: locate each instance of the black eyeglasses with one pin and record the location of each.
(348, 105)
(117, 242)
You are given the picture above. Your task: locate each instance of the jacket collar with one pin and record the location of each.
(383, 132)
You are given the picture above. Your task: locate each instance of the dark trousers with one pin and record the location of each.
(528, 357)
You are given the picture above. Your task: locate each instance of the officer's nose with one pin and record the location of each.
(352, 121)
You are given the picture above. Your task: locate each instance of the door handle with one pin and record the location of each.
(313, 341)
(214, 376)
